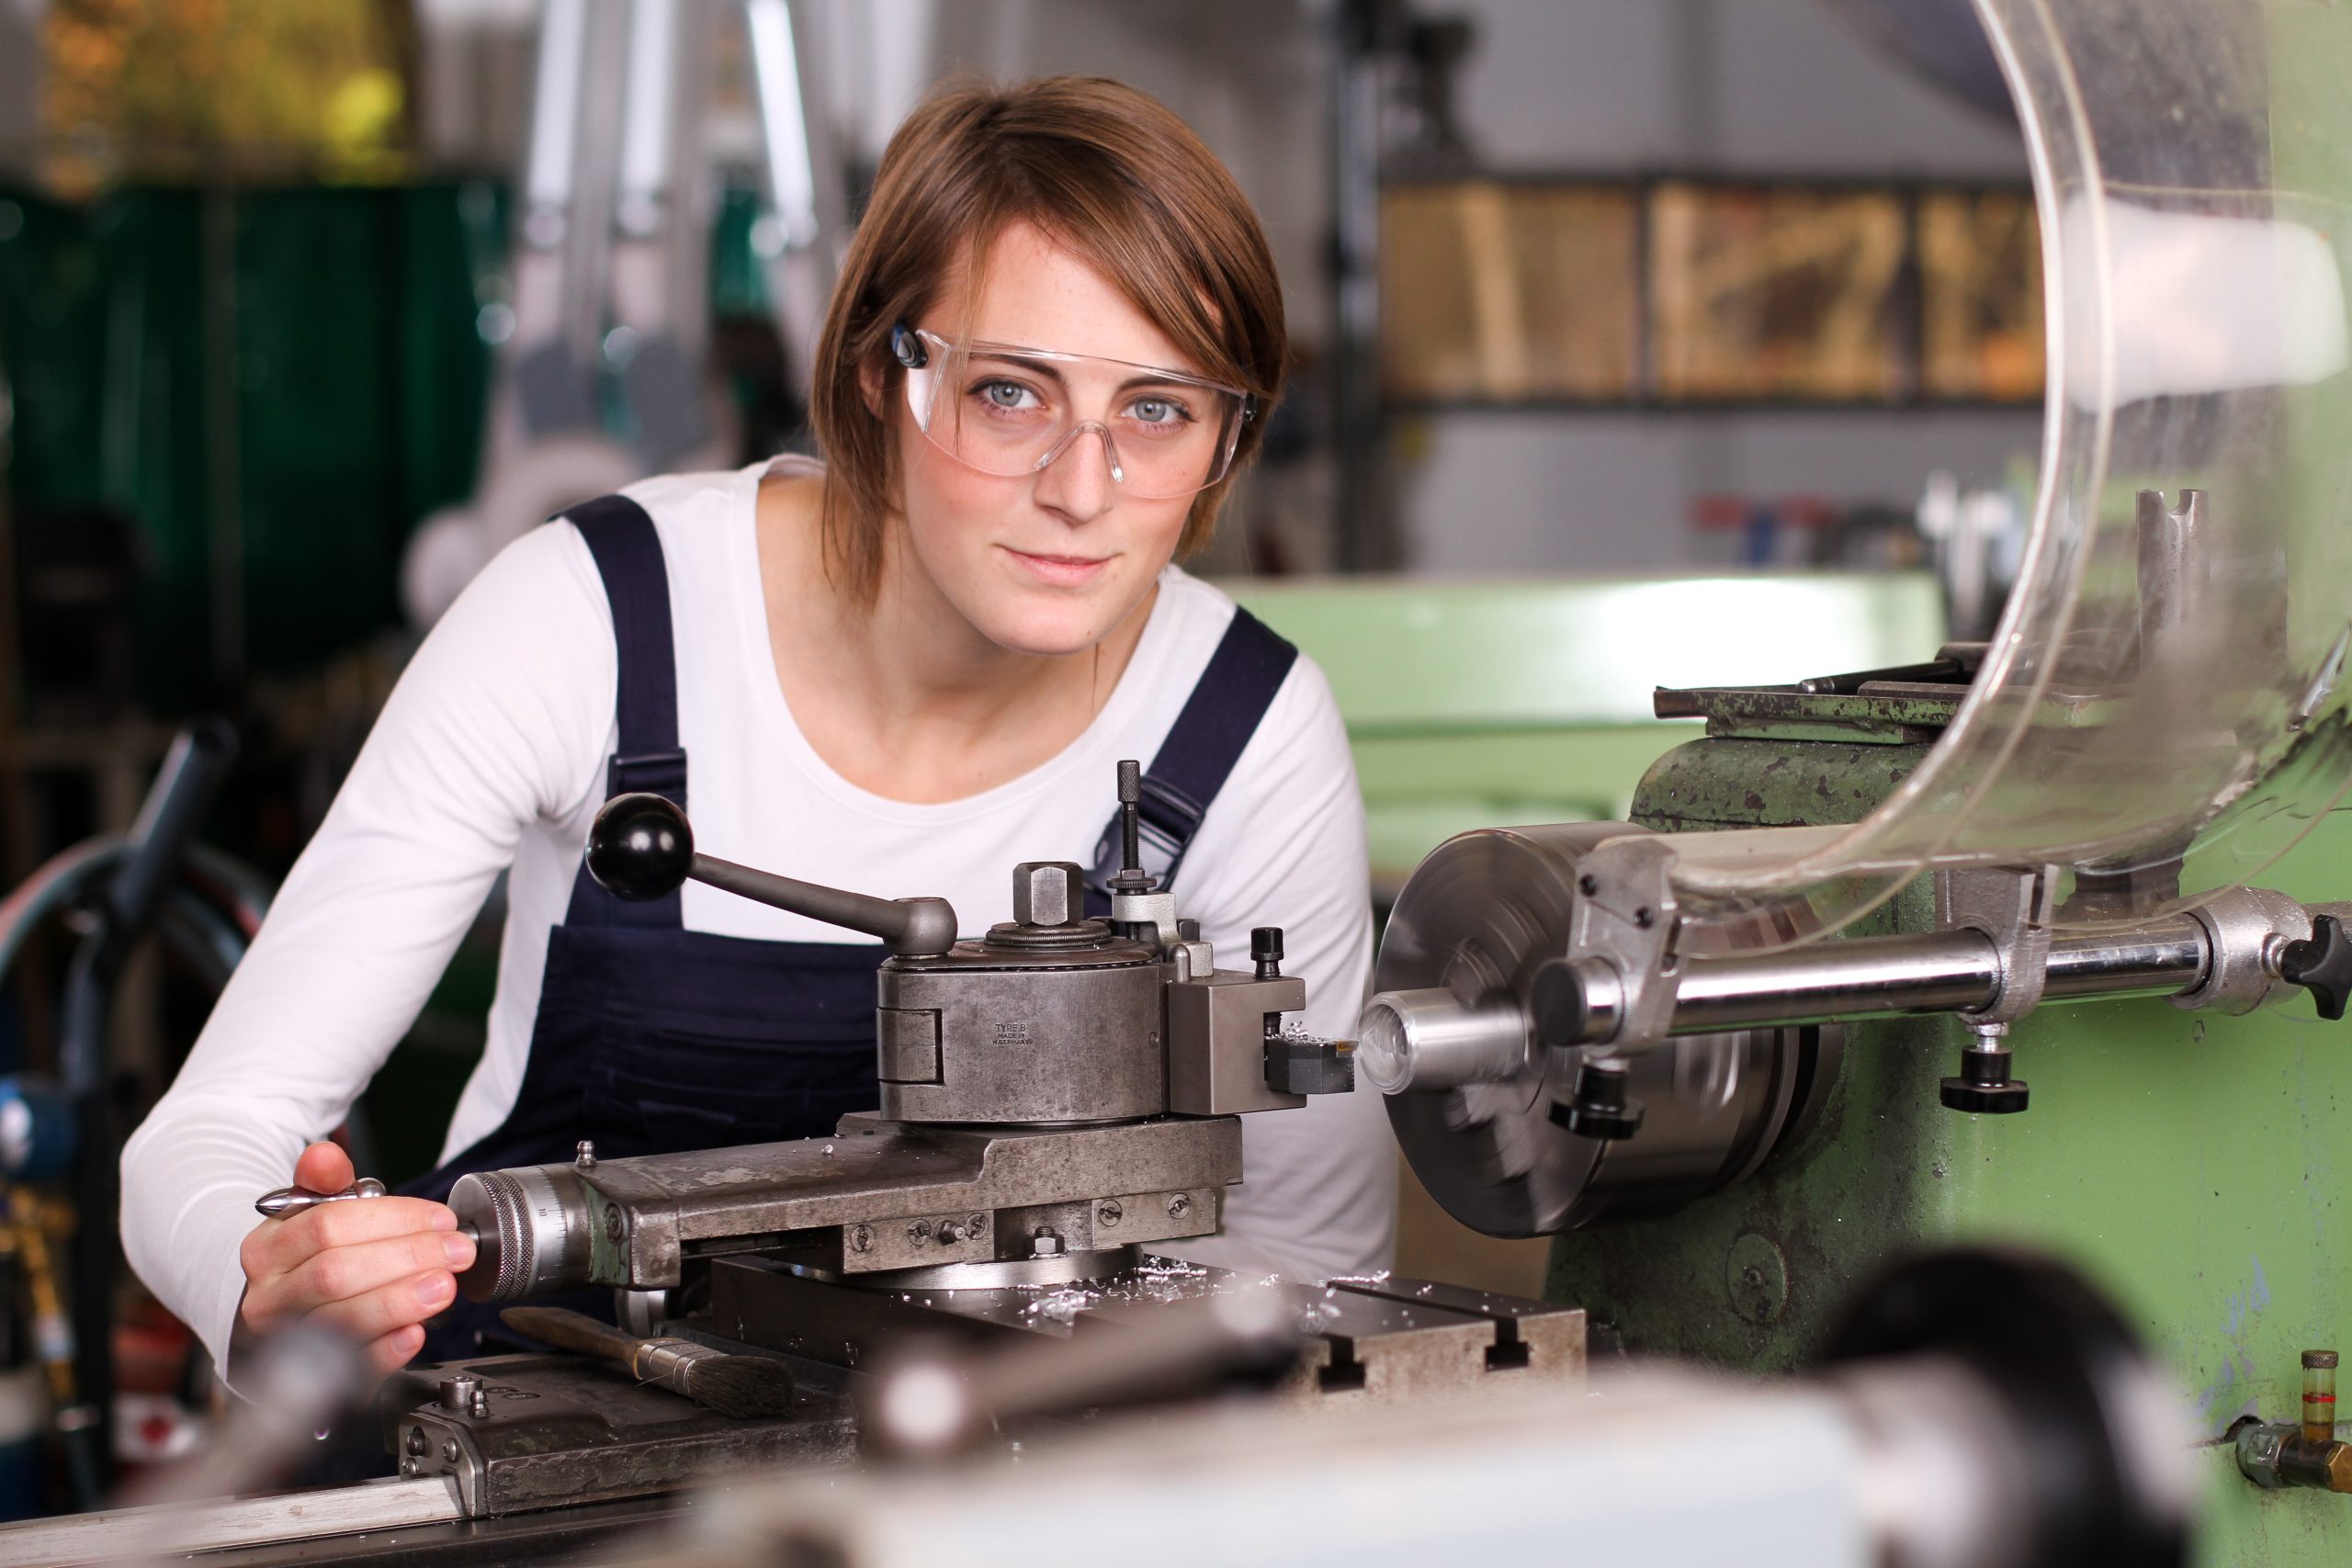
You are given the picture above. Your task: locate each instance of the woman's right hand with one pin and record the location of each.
(375, 1267)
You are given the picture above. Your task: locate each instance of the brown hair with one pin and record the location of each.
(1104, 170)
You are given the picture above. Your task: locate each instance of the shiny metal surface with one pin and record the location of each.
(1863, 978)
(286, 1201)
(1425, 1040)
(2245, 930)
(532, 1231)
(1957, 971)
(1477, 919)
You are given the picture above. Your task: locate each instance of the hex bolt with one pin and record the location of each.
(1108, 1212)
(1179, 1205)
(1045, 1243)
(1048, 893)
(860, 1239)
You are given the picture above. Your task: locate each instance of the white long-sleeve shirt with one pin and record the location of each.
(491, 755)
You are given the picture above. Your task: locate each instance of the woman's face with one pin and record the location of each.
(1047, 562)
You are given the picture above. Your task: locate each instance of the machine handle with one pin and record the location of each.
(2321, 965)
(642, 847)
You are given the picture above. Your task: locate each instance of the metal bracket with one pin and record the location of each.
(2012, 906)
(1626, 918)
(2246, 933)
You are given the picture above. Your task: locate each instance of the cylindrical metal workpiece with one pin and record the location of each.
(1427, 1040)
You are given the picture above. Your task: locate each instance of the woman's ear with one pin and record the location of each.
(869, 385)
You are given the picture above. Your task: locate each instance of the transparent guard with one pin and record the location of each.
(2162, 709)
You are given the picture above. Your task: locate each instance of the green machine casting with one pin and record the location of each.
(2044, 940)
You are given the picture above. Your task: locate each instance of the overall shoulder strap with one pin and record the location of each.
(1232, 694)
(628, 553)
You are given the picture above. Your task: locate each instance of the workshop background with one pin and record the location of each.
(1586, 295)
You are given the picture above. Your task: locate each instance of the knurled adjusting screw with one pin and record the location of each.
(1108, 1212)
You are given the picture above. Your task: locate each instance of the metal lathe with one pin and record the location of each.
(1894, 980)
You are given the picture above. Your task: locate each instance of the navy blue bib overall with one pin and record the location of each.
(653, 1039)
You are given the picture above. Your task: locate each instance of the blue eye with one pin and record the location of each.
(1161, 411)
(1008, 396)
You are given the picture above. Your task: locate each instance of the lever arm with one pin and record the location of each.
(642, 847)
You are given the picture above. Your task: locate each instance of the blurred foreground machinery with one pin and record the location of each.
(2017, 942)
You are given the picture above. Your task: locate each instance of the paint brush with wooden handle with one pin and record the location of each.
(734, 1385)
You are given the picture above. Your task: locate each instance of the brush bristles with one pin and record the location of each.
(739, 1387)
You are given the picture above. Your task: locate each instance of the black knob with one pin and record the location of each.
(1598, 1106)
(1266, 951)
(2322, 965)
(1984, 1087)
(640, 847)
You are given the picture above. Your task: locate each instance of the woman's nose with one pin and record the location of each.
(1076, 477)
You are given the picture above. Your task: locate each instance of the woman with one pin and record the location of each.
(1055, 340)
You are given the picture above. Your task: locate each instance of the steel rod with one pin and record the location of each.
(1938, 972)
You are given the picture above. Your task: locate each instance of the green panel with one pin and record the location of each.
(339, 327)
(2191, 1164)
(1472, 703)
(1416, 654)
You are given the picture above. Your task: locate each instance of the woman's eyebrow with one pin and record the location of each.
(1045, 368)
(1036, 367)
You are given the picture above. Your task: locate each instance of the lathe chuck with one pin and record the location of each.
(1478, 919)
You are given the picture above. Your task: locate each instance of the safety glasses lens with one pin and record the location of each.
(1008, 413)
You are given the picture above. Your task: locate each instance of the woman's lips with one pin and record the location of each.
(1061, 571)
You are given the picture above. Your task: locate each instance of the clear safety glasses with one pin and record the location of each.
(1009, 411)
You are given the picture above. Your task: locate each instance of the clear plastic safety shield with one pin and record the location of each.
(2162, 710)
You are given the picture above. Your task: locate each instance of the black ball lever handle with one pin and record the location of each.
(642, 847)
